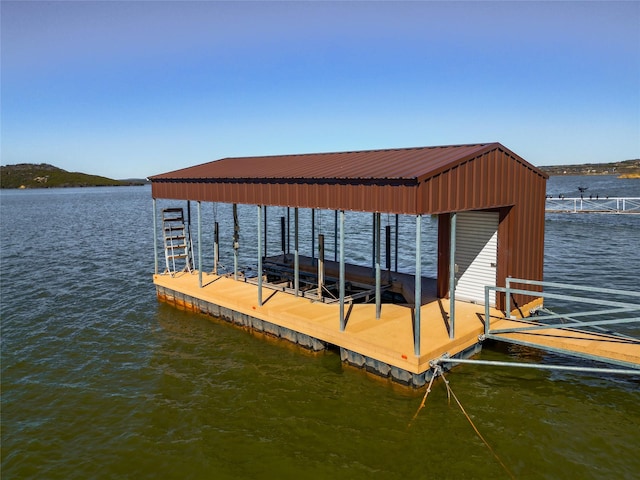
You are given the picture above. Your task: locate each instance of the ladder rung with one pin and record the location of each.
(180, 237)
(182, 255)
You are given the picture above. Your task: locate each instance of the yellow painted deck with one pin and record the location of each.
(390, 339)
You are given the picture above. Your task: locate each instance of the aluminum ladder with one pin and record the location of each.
(177, 242)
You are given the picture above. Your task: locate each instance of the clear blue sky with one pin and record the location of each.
(132, 89)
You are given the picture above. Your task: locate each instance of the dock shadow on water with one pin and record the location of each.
(99, 380)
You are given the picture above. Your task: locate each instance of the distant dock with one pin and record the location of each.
(593, 204)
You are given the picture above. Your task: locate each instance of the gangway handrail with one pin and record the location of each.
(621, 307)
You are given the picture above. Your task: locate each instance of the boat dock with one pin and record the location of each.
(383, 346)
(397, 324)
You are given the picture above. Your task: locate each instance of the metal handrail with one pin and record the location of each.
(602, 205)
(620, 307)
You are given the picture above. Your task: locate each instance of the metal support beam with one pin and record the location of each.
(378, 275)
(189, 240)
(320, 264)
(566, 368)
(418, 287)
(265, 231)
(296, 253)
(199, 244)
(387, 249)
(313, 236)
(216, 247)
(335, 236)
(236, 240)
(155, 236)
(259, 255)
(341, 274)
(452, 276)
(395, 243)
(373, 244)
(288, 230)
(283, 236)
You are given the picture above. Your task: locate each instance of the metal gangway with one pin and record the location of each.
(584, 334)
(593, 204)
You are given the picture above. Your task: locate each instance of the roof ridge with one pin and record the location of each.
(346, 152)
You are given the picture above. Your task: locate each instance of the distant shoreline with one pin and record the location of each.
(626, 169)
(26, 176)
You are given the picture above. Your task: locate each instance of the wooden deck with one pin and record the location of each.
(388, 339)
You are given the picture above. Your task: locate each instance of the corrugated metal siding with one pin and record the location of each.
(433, 180)
(497, 180)
(381, 198)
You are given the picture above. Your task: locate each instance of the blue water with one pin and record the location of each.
(99, 380)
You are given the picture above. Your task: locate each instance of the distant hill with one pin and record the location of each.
(43, 175)
(627, 169)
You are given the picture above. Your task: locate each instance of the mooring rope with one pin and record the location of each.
(450, 392)
(436, 371)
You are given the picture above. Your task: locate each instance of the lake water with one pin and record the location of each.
(99, 380)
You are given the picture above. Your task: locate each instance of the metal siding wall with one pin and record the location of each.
(494, 180)
(381, 198)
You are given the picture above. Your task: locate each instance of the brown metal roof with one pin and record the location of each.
(404, 165)
(426, 180)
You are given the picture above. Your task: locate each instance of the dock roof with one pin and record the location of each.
(402, 180)
(407, 165)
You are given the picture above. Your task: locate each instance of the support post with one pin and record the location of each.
(313, 236)
(288, 230)
(418, 287)
(296, 253)
(199, 244)
(320, 264)
(378, 280)
(259, 255)
(341, 274)
(236, 240)
(265, 231)
(507, 298)
(335, 236)
(395, 244)
(452, 275)
(216, 247)
(387, 250)
(373, 244)
(155, 236)
(189, 240)
(283, 239)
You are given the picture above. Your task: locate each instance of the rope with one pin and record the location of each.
(437, 370)
(450, 391)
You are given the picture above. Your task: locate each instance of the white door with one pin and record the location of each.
(476, 255)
